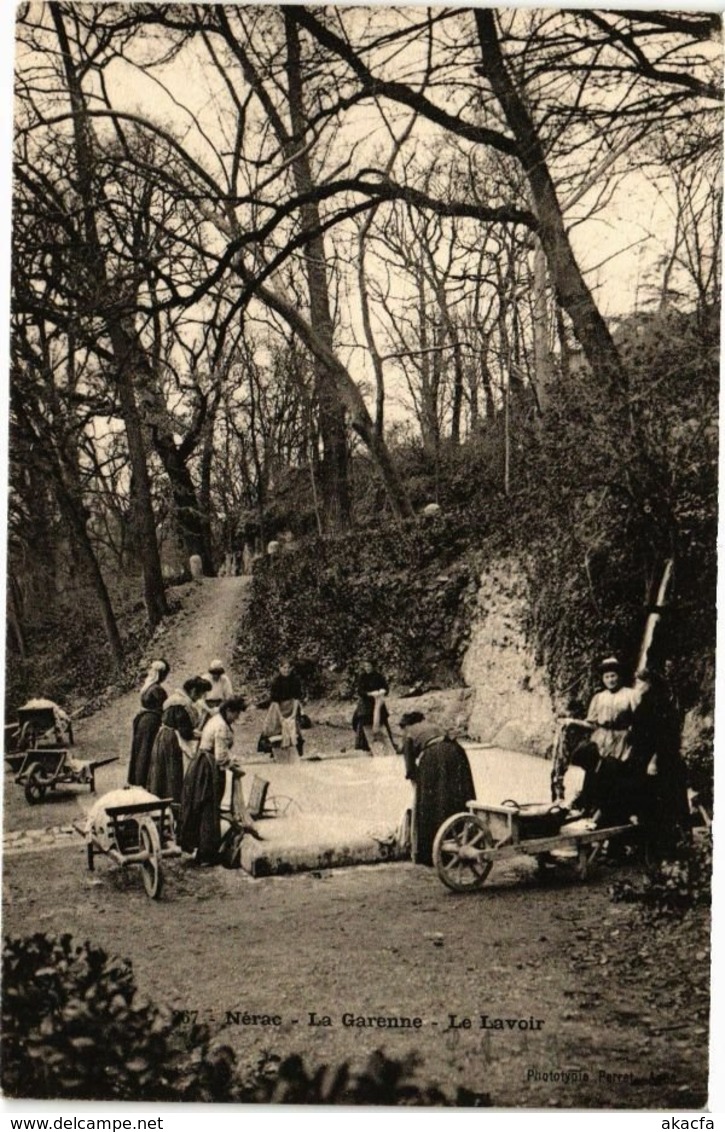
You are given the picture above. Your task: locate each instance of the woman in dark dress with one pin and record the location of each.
(157, 673)
(145, 729)
(440, 769)
(200, 826)
(665, 808)
(176, 740)
(369, 682)
(282, 724)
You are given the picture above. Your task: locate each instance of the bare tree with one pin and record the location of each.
(125, 355)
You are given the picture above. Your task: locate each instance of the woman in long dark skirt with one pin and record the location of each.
(656, 750)
(370, 681)
(440, 769)
(200, 825)
(146, 725)
(157, 673)
(201, 799)
(176, 740)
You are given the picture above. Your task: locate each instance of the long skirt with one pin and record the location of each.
(145, 729)
(364, 717)
(200, 824)
(166, 771)
(282, 726)
(613, 789)
(444, 784)
(667, 811)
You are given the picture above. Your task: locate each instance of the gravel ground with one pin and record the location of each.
(581, 987)
(540, 994)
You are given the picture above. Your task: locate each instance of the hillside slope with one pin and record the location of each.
(204, 628)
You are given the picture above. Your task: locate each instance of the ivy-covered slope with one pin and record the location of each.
(405, 596)
(402, 596)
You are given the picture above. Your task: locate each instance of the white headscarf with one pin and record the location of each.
(154, 675)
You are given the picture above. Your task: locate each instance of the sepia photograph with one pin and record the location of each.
(361, 556)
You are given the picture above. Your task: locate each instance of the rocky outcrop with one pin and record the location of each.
(511, 705)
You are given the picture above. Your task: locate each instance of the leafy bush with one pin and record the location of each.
(73, 1028)
(382, 1081)
(401, 595)
(68, 654)
(700, 762)
(677, 885)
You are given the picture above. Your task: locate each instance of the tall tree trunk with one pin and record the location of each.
(451, 333)
(148, 546)
(15, 620)
(573, 293)
(189, 514)
(487, 382)
(124, 350)
(564, 353)
(368, 330)
(188, 510)
(334, 468)
(75, 516)
(205, 470)
(458, 381)
(430, 433)
(473, 399)
(540, 320)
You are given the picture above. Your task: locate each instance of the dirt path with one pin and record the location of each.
(205, 627)
(619, 1010)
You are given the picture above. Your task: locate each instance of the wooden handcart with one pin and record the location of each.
(35, 727)
(44, 769)
(468, 845)
(39, 726)
(140, 833)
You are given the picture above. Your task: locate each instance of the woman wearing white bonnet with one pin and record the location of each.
(221, 685)
(157, 673)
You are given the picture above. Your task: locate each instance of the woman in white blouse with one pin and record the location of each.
(221, 686)
(611, 712)
(200, 827)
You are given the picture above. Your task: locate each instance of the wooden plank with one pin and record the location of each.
(485, 808)
(544, 844)
(95, 763)
(138, 808)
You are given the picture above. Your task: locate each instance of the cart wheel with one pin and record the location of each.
(456, 852)
(35, 785)
(151, 868)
